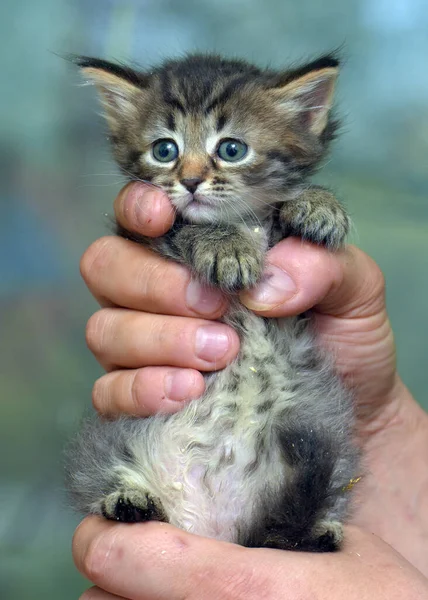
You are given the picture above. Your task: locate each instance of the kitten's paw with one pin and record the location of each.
(132, 506)
(317, 217)
(233, 264)
(328, 535)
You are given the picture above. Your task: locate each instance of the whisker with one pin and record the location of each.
(248, 208)
(133, 177)
(259, 199)
(112, 183)
(231, 205)
(327, 106)
(82, 175)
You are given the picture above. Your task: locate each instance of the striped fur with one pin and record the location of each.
(265, 457)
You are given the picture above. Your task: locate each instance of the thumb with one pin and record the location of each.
(155, 560)
(144, 208)
(300, 276)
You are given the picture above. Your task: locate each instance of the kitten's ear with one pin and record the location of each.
(308, 92)
(120, 88)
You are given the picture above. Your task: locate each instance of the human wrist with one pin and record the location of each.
(398, 419)
(387, 409)
(393, 497)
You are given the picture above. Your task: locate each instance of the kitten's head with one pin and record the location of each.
(223, 138)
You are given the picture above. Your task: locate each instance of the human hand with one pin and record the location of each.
(152, 560)
(344, 289)
(153, 314)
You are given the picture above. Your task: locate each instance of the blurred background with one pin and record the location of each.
(58, 184)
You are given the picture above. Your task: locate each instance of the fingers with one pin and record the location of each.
(145, 209)
(300, 276)
(119, 272)
(125, 338)
(156, 560)
(143, 392)
(122, 273)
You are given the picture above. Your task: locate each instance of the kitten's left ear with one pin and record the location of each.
(308, 92)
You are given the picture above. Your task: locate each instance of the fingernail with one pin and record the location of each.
(179, 384)
(203, 299)
(212, 342)
(275, 288)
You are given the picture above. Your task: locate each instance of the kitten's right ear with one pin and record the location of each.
(120, 88)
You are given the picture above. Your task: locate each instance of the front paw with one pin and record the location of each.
(319, 219)
(232, 264)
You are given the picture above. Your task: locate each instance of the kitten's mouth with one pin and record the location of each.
(199, 209)
(198, 199)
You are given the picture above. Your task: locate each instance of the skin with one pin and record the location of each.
(142, 327)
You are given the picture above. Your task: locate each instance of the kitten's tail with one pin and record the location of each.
(292, 520)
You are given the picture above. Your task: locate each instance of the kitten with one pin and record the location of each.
(265, 457)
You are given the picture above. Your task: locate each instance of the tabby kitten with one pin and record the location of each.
(265, 457)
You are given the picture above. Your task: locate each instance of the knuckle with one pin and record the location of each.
(90, 594)
(97, 556)
(151, 275)
(168, 335)
(96, 331)
(373, 290)
(373, 285)
(377, 277)
(318, 260)
(138, 390)
(99, 394)
(97, 257)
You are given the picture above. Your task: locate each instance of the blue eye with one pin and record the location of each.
(232, 150)
(165, 150)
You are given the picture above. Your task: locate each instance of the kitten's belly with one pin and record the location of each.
(219, 456)
(218, 488)
(212, 461)
(212, 509)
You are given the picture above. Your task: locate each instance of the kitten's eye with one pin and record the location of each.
(232, 150)
(165, 150)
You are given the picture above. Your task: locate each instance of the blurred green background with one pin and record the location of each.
(58, 183)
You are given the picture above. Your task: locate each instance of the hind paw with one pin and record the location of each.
(132, 506)
(329, 535)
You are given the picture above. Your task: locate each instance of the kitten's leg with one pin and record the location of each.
(316, 215)
(304, 514)
(228, 256)
(132, 505)
(104, 476)
(327, 536)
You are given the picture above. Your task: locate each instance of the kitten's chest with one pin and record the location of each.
(261, 376)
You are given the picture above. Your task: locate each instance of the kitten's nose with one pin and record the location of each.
(192, 183)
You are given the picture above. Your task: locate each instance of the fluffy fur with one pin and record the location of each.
(265, 457)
